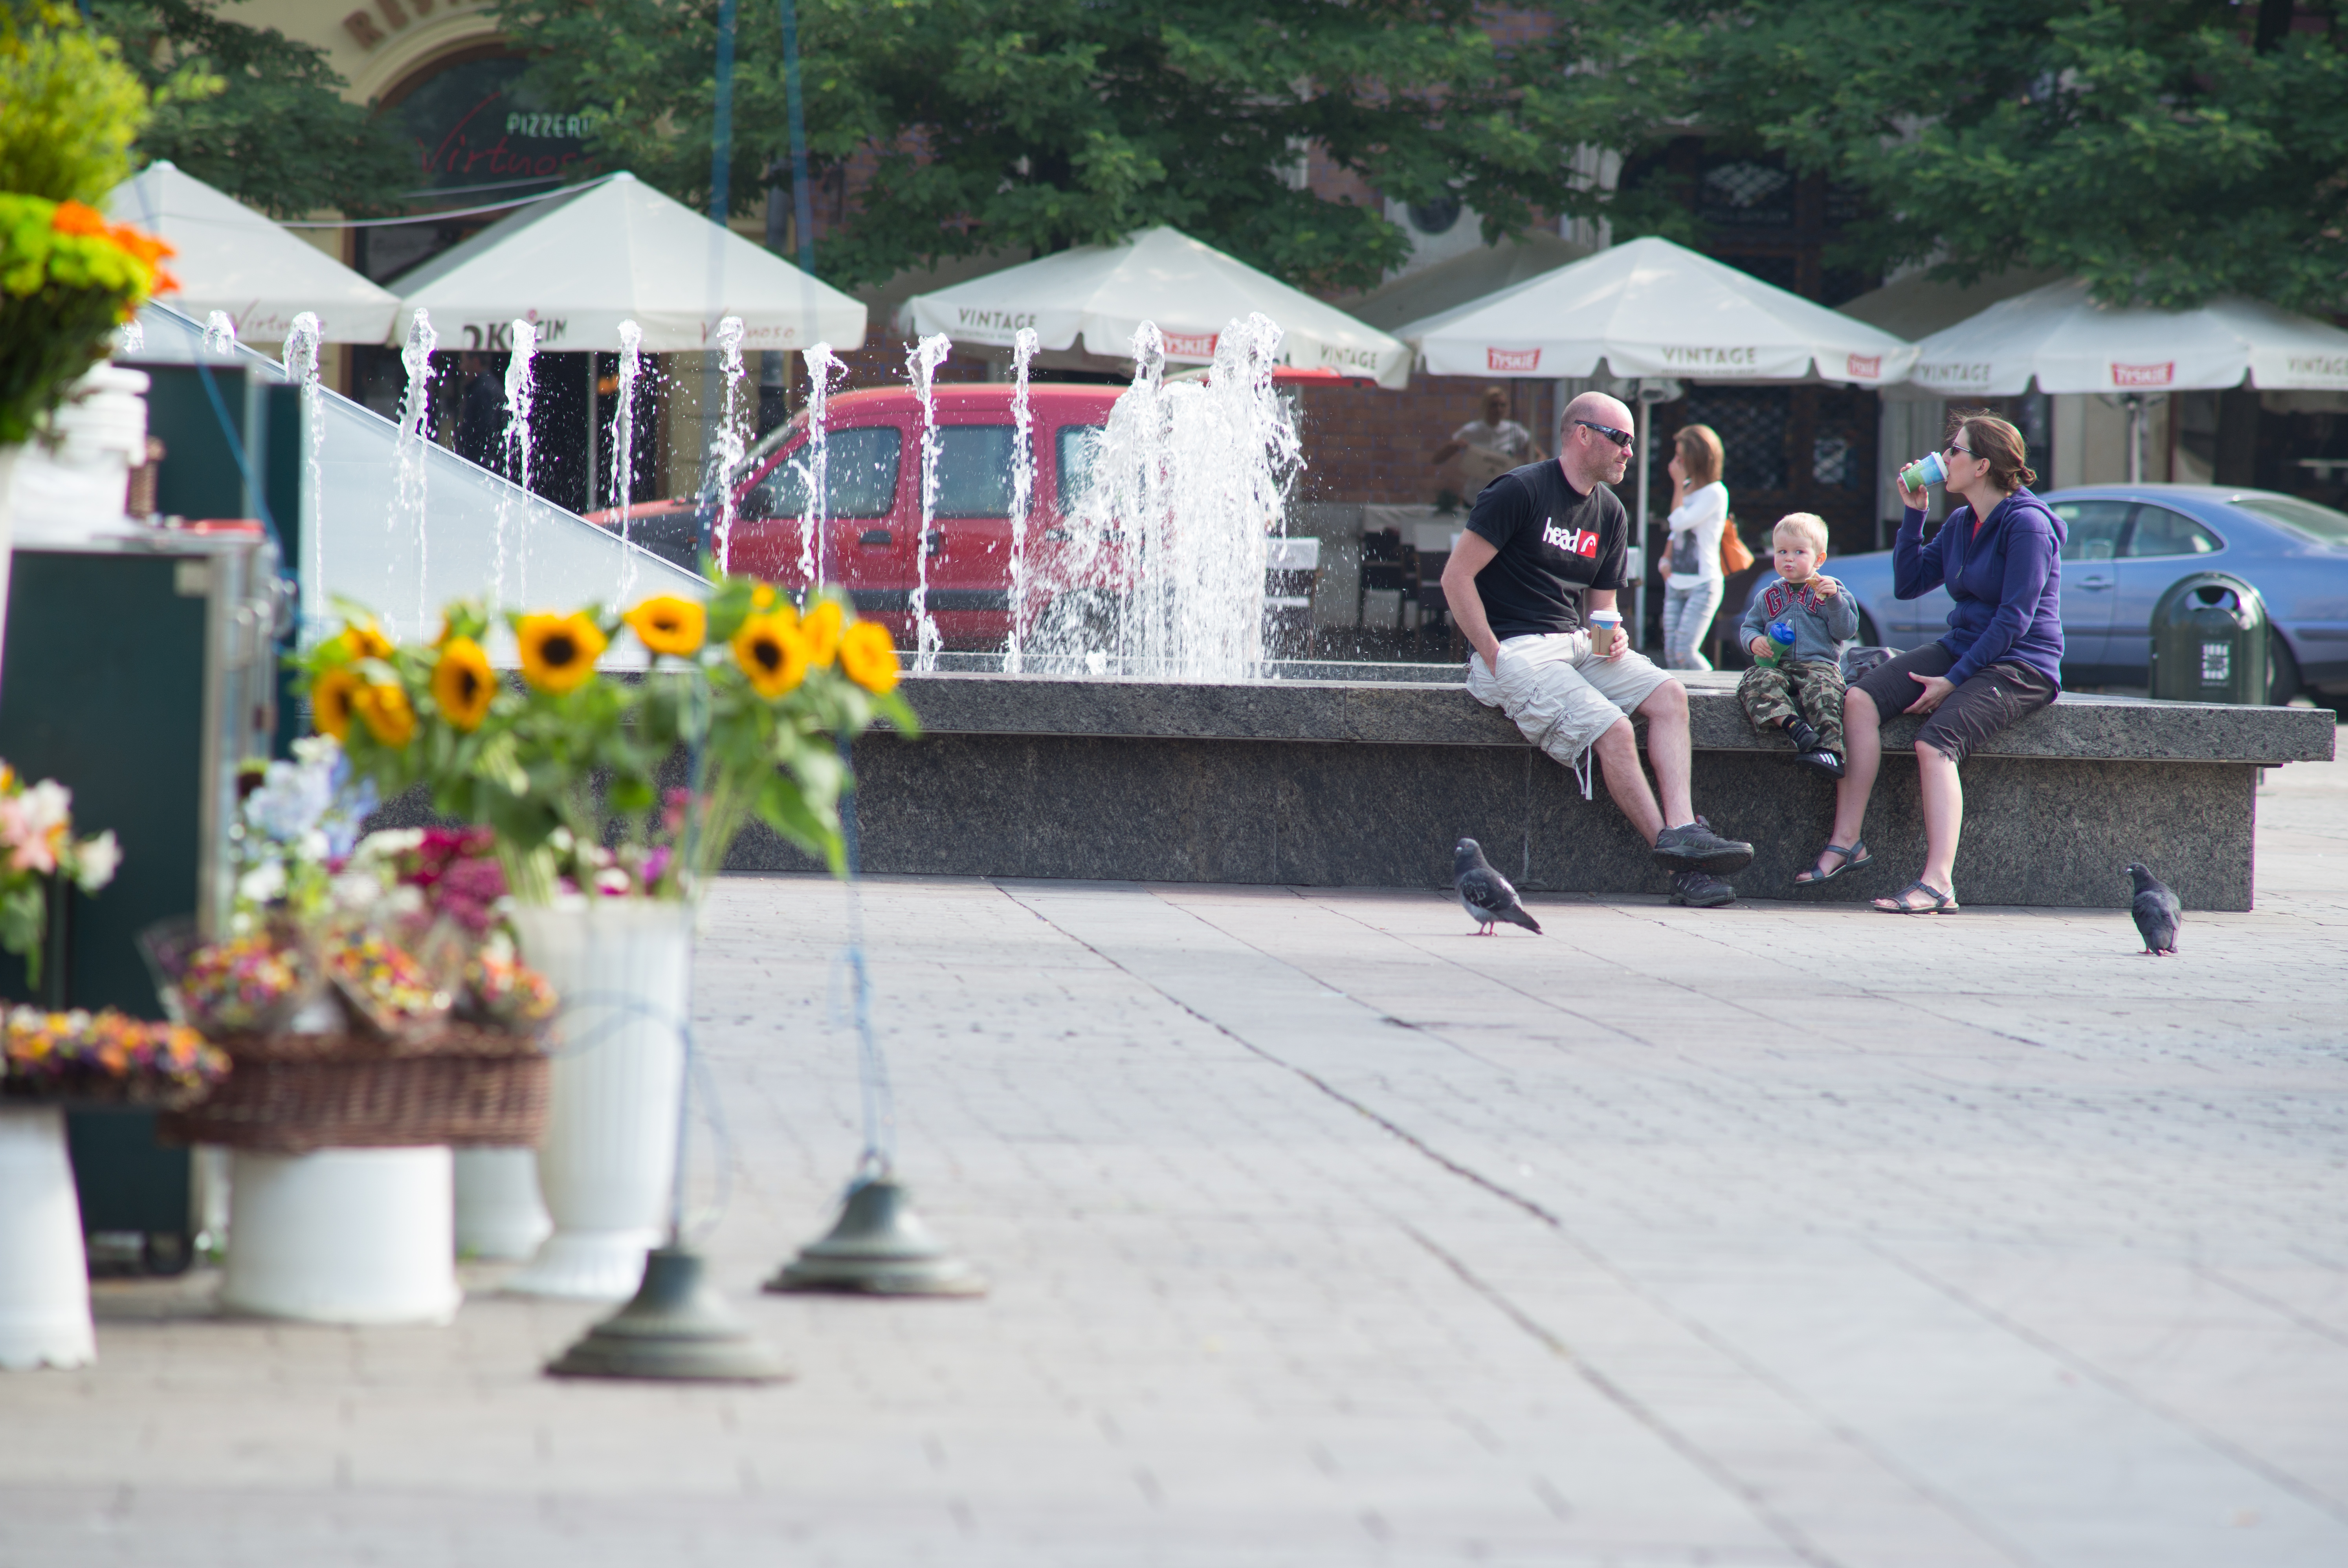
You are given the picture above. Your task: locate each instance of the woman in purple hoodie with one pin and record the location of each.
(2000, 557)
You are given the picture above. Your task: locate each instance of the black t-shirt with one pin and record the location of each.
(1555, 544)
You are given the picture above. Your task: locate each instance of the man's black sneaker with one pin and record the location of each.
(1696, 847)
(1698, 891)
(1805, 738)
(1825, 761)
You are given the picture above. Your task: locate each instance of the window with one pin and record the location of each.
(2092, 530)
(974, 470)
(1079, 449)
(2319, 523)
(859, 477)
(2161, 532)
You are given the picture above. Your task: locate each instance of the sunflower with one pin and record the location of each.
(388, 716)
(669, 625)
(762, 595)
(821, 627)
(365, 639)
(462, 684)
(330, 702)
(868, 657)
(559, 651)
(772, 654)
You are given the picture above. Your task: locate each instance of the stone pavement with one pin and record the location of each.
(1324, 1232)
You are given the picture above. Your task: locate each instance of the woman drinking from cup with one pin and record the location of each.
(2000, 557)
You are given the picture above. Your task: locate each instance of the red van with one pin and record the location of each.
(873, 483)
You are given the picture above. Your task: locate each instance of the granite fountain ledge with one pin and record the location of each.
(1363, 784)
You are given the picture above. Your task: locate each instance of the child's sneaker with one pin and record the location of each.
(1804, 737)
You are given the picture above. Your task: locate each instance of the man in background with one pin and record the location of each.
(1495, 432)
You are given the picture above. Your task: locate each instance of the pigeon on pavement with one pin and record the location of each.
(1483, 893)
(2158, 912)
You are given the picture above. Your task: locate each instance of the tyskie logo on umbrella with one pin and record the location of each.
(1512, 361)
(2159, 375)
(1572, 542)
(1191, 345)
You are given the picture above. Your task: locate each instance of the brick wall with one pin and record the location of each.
(1364, 444)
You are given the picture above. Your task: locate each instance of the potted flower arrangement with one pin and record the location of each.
(565, 768)
(67, 276)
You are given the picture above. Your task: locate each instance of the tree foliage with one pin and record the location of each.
(252, 112)
(974, 125)
(2151, 148)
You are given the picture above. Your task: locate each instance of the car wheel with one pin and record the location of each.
(2282, 672)
(1868, 637)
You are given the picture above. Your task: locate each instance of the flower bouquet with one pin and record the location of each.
(36, 838)
(104, 1058)
(68, 277)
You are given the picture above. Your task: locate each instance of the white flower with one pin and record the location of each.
(47, 804)
(613, 882)
(96, 860)
(262, 885)
(355, 890)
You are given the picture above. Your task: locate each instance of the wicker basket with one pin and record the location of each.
(460, 1085)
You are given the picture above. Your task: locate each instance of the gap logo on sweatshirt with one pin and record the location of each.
(1572, 542)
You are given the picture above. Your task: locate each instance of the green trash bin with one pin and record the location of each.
(2209, 641)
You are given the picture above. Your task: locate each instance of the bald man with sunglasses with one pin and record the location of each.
(1547, 545)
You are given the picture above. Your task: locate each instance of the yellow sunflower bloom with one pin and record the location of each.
(822, 627)
(669, 625)
(462, 683)
(365, 639)
(762, 595)
(330, 702)
(559, 651)
(387, 712)
(868, 657)
(772, 654)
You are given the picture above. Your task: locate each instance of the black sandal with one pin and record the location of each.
(1941, 903)
(1852, 859)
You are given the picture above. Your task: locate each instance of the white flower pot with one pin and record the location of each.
(498, 1211)
(342, 1235)
(624, 969)
(44, 1272)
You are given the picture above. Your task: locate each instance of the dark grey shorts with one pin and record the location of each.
(1983, 705)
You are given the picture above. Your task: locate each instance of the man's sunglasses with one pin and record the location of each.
(1622, 438)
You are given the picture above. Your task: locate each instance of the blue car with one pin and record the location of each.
(2125, 545)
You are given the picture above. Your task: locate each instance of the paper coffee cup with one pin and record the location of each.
(1605, 625)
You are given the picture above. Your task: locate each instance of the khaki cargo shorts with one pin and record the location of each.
(1562, 695)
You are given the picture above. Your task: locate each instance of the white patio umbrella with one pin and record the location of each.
(234, 259)
(2060, 337)
(580, 263)
(1189, 290)
(1650, 310)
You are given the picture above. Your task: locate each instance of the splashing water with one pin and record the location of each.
(302, 350)
(822, 365)
(1188, 482)
(922, 363)
(729, 444)
(413, 434)
(219, 332)
(1022, 486)
(521, 392)
(623, 446)
(131, 337)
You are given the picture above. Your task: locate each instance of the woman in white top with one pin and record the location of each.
(1692, 577)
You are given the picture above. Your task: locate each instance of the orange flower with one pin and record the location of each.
(868, 657)
(390, 716)
(772, 654)
(669, 625)
(822, 627)
(73, 218)
(330, 702)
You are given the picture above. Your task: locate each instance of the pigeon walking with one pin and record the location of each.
(1483, 893)
(2158, 912)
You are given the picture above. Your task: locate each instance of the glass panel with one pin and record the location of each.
(1079, 449)
(2161, 532)
(860, 473)
(2320, 523)
(2092, 530)
(973, 471)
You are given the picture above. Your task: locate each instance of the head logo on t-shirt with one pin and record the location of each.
(1573, 541)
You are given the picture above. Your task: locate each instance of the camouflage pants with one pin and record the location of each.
(1805, 689)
